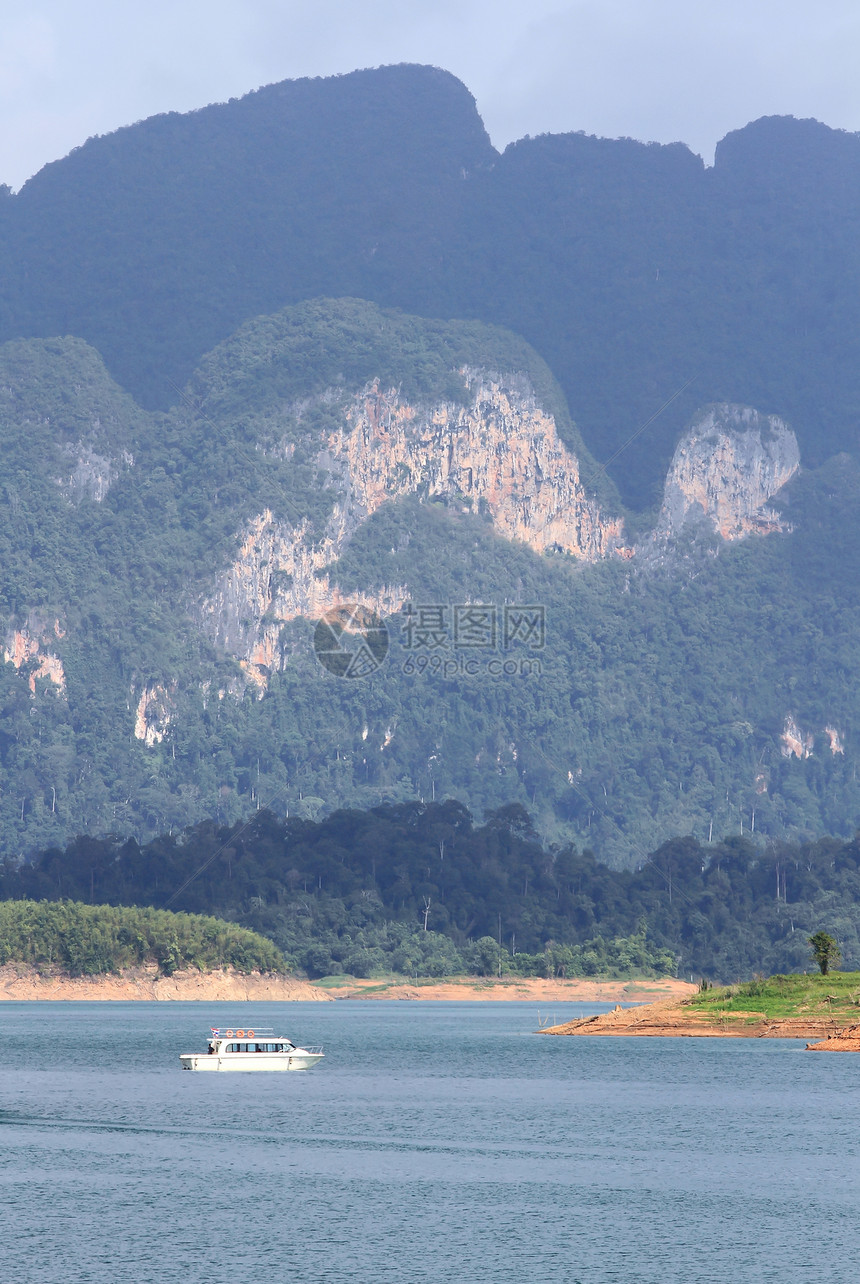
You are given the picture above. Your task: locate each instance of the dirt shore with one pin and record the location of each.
(671, 1018)
(18, 982)
(847, 1040)
(532, 989)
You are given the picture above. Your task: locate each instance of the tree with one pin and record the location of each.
(825, 951)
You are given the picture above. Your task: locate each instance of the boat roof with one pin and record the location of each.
(244, 1032)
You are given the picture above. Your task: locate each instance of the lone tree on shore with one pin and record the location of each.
(825, 951)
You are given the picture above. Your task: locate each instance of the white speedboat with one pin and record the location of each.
(257, 1049)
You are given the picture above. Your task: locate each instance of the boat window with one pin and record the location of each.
(283, 1046)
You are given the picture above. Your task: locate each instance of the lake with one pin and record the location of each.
(436, 1142)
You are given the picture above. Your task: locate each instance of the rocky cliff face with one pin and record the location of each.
(90, 475)
(500, 455)
(153, 712)
(278, 576)
(30, 645)
(728, 465)
(798, 743)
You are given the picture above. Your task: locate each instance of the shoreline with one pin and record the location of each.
(21, 982)
(511, 989)
(674, 1019)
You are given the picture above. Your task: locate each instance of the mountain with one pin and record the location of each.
(368, 558)
(640, 276)
(157, 241)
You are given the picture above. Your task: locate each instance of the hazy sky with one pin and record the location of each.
(650, 69)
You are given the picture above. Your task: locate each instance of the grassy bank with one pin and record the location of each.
(836, 995)
(780, 1007)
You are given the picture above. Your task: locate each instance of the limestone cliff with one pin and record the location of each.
(153, 712)
(797, 743)
(278, 576)
(89, 474)
(727, 466)
(30, 645)
(500, 454)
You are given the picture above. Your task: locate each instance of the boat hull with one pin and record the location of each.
(250, 1061)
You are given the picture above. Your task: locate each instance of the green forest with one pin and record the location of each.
(89, 940)
(422, 890)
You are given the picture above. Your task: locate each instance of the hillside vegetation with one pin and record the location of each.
(88, 940)
(422, 890)
(662, 692)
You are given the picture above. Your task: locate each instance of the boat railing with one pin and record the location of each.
(243, 1032)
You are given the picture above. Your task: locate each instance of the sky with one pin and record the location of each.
(656, 70)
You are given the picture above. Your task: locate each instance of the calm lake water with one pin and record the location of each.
(436, 1142)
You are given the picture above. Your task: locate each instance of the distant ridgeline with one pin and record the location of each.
(90, 940)
(161, 574)
(632, 268)
(421, 890)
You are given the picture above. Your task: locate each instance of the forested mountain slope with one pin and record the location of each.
(420, 888)
(162, 575)
(632, 269)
